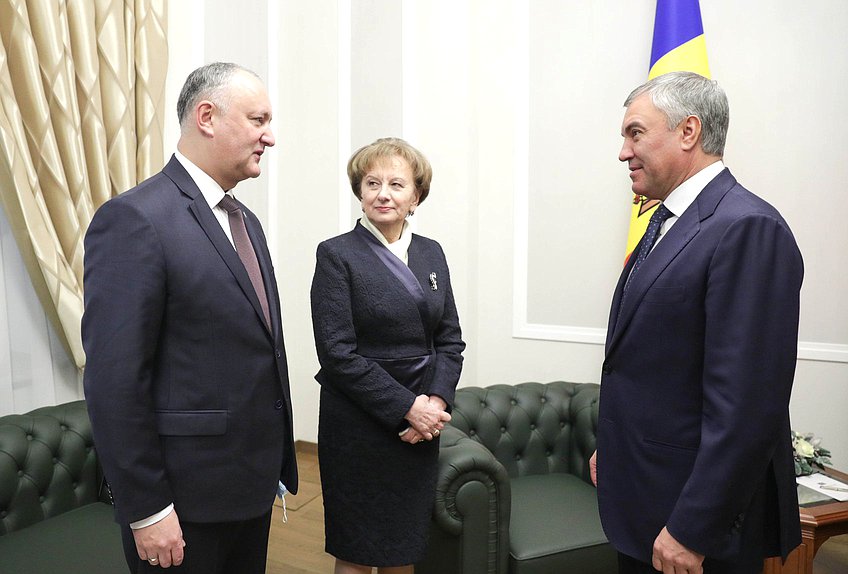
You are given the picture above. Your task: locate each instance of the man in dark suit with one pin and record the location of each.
(186, 377)
(694, 462)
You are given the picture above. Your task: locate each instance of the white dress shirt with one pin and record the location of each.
(399, 248)
(685, 195)
(212, 193)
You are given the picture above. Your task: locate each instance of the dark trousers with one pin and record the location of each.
(212, 548)
(629, 565)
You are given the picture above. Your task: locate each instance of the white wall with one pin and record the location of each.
(518, 106)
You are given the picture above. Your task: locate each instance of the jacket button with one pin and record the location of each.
(278, 354)
(737, 523)
(279, 404)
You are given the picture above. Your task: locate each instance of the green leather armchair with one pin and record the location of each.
(55, 516)
(514, 493)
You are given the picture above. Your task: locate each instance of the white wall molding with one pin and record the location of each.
(409, 81)
(409, 57)
(344, 111)
(807, 350)
(563, 333)
(272, 189)
(825, 352)
(521, 327)
(521, 197)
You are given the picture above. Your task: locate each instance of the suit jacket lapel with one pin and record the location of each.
(683, 231)
(405, 275)
(210, 225)
(615, 313)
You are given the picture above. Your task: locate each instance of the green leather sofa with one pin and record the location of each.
(514, 494)
(53, 516)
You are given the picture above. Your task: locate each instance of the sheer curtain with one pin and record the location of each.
(81, 100)
(35, 368)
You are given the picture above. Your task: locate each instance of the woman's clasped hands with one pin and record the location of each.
(426, 417)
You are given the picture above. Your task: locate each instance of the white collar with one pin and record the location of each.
(212, 192)
(399, 248)
(685, 194)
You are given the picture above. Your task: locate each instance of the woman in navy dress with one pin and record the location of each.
(390, 348)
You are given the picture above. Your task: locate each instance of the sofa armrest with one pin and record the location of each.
(48, 464)
(584, 406)
(472, 505)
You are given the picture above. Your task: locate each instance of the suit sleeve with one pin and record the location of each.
(342, 368)
(750, 349)
(448, 343)
(125, 290)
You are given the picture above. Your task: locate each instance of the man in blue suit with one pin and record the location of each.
(186, 377)
(694, 461)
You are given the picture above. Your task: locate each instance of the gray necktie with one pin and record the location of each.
(245, 251)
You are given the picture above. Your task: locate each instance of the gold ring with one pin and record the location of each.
(436, 432)
(153, 561)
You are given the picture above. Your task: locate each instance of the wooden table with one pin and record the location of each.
(818, 523)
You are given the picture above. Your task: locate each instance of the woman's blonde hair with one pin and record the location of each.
(365, 157)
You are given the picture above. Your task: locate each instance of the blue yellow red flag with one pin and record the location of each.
(678, 45)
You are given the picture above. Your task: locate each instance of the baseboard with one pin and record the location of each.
(306, 447)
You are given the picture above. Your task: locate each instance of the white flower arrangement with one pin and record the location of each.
(808, 453)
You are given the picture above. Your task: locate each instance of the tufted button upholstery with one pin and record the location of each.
(514, 493)
(53, 517)
(532, 428)
(47, 465)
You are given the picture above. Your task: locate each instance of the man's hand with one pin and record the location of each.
(161, 542)
(593, 468)
(671, 557)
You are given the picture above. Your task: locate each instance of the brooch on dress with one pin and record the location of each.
(433, 285)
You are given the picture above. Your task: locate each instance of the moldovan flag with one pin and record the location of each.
(679, 45)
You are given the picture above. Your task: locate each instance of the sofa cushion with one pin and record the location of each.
(85, 540)
(555, 527)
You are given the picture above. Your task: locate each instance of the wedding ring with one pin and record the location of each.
(153, 561)
(436, 432)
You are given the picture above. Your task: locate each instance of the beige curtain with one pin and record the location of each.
(82, 88)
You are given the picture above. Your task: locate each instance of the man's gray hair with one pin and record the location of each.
(208, 82)
(681, 94)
